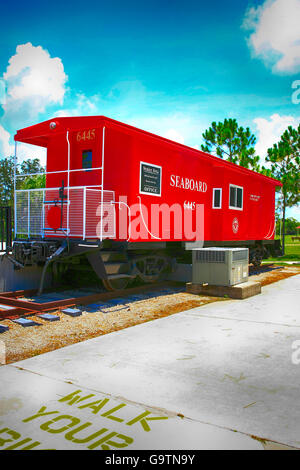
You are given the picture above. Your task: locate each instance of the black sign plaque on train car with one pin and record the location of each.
(150, 179)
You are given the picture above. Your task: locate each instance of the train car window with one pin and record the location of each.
(217, 198)
(235, 197)
(232, 196)
(239, 197)
(87, 159)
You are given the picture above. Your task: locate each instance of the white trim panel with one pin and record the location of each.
(213, 201)
(233, 207)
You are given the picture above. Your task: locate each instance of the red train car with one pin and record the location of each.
(135, 194)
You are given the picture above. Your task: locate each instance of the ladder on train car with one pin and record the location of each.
(62, 199)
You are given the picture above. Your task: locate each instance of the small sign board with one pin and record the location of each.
(150, 179)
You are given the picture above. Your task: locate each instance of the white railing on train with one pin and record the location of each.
(68, 171)
(87, 207)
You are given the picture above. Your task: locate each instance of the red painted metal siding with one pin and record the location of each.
(125, 147)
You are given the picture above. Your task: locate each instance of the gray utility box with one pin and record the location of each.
(220, 266)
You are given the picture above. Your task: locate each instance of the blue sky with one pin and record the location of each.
(167, 67)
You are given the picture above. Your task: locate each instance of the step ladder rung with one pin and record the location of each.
(120, 276)
(57, 201)
(54, 230)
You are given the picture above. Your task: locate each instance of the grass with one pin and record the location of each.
(292, 250)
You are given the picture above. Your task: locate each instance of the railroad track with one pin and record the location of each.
(263, 269)
(15, 304)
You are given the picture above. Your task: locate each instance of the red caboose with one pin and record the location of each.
(131, 193)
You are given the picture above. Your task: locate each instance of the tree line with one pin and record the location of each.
(29, 166)
(232, 142)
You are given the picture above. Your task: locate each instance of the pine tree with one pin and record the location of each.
(285, 163)
(231, 142)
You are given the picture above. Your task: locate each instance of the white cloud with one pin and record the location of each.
(33, 73)
(270, 130)
(82, 106)
(294, 212)
(130, 102)
(180, 127)
(26, 151)
(173, 134)
(6, 149)
(276, 34)
(33, 81)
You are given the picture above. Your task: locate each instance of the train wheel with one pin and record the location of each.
(116, 284)
(149, 268)
(256, 257)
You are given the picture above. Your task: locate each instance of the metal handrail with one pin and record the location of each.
(34, 209)
(58, 171)
(68, 170)
(50, 189)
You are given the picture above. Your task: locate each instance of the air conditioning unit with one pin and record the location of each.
(220, 266)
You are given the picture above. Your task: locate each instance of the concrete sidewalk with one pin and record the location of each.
(219, 374)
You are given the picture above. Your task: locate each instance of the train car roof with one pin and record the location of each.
(39, 134)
